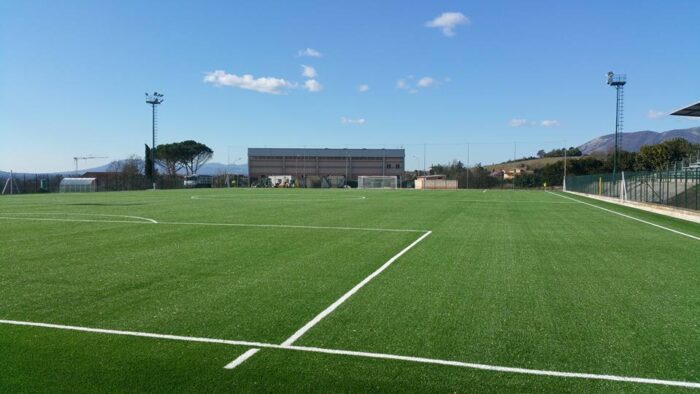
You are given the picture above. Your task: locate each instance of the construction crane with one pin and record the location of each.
(86, 158)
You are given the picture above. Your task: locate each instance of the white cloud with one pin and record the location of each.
(425, 82)
(517, 122)
(410, 84)
(269, 85)
(359, 121)
(312, 85)
(309, 52)
(308, 71)
(448, 21)
(363, 88)
(654, 114)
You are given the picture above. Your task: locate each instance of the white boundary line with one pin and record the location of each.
(383, 356)
(75, 220)
(276, 199)
(289, 341)
(241, 359)
(399, 230)
(628, 216)
(152, 221)
(80, 214)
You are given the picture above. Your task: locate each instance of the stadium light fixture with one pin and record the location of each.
(618, 81)
(154, 100)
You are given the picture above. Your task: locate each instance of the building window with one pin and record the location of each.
(388, 165)
(398, 166)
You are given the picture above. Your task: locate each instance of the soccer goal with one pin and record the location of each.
(377, 182)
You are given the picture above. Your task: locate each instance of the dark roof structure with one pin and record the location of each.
(691, 110)
(325, 152)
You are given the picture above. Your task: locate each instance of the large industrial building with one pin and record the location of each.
(324, 167)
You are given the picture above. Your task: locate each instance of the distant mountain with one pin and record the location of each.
(631, 142)
(207, 169)
(220, 168)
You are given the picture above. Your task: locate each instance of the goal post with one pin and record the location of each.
(377, 182)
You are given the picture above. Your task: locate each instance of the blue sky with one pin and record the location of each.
(73, 75)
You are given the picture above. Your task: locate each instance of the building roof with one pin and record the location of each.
(325, 152)
(691, 110)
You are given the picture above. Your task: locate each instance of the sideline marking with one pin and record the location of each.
(79, 214)
(152, 221)
(628, 216)
(241, 359)
(384, 356)
(289, 341)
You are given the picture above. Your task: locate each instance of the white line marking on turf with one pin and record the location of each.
(296, 226)
(394, 230)
(383, 356)
(280, 198)
(241, 359)
(352, 291)
(79, 214)
(628, 216)
(75, 220)
(289, 341)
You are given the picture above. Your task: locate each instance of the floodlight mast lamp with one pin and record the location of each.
(618, 81)
(154, 100)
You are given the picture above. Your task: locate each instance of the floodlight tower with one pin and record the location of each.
(154, 100)
(618, 81)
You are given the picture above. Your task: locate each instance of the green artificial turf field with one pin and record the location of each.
(419, 286)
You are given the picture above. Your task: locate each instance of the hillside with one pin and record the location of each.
(632, 142)
(531, 164)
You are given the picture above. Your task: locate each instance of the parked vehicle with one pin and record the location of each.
(198, 181)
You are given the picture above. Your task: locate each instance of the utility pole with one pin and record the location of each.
(565, 151)
(468, 168)
(515, 155)
(154, 100)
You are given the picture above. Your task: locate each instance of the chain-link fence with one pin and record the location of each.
(677, 188)
(107, 181)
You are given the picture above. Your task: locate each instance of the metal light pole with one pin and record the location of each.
(618, 81)
(154, 100)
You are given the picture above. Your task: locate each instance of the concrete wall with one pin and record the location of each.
(433, 184)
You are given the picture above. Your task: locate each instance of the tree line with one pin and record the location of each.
(171, 158)
(658, 157)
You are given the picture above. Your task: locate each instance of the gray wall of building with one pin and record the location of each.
(349, 163)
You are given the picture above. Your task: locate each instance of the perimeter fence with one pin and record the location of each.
(49, 183)
(676, 188)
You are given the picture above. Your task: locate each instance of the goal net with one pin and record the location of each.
(377, 182)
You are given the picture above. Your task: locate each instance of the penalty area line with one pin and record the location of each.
(383, 356)
(303, 330)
